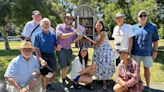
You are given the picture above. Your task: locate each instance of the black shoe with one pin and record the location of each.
(77, 86)
(68, 79)
(90, 87)
(50, 87)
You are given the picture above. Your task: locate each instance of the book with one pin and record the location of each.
(81, 29)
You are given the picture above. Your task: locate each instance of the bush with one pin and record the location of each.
(161, 32)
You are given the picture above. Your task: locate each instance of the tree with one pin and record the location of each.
(22, 10)
(5, 15)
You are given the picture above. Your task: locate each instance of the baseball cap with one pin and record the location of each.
(142, 11)
(119, 14)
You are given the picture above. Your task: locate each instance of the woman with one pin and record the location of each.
(128, 78)
(103, 55)
(81, 72)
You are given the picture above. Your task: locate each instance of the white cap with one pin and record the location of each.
(119, 14)
(142, 11)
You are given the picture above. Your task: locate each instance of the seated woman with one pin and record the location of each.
(81, 72)
(128, 78)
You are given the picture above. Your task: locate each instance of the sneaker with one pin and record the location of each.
(64, 87)
(147, 89)
(50, 87)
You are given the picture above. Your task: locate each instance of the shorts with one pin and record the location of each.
(147, 60)
(77, 79)
(51, 61)
(64, 57)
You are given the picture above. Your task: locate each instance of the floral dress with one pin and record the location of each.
(131, 75)
(103, 57)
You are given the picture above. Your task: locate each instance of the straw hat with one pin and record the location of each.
(26, 44)
(68, 15)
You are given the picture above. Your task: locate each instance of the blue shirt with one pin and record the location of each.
(45, 42)
(21, 70)
(144, 37)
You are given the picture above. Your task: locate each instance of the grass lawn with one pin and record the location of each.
(157, 71)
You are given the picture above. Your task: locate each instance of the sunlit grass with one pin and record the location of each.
(157, 71)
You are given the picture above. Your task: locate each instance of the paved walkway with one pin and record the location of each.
(97, 87)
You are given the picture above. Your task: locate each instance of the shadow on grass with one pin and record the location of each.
(160, 57)
(13, 52)
(96, 84)
(5, 57)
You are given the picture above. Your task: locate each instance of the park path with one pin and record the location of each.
(159, 87)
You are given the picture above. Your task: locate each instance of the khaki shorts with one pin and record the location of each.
(147, 60)
(37, 87)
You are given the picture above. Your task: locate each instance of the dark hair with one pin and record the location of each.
(85, 58)
(103, 27)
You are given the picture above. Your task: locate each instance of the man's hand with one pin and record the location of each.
(43, 62)
(154, 54)
(32, 84)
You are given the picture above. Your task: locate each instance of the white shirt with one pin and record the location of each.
(121, 36)
(76, 68)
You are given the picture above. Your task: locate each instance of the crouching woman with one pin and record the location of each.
(128, 78)
(81, 72)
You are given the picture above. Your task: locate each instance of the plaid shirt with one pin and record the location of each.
(131, 75)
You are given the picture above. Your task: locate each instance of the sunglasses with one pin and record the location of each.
(143, 16)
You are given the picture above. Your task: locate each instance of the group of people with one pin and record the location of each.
(34, 69)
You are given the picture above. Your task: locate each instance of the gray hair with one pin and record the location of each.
(44, 20)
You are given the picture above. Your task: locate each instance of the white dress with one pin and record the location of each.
(103, 57)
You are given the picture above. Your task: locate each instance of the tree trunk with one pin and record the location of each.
(6, 44)
(5, 35)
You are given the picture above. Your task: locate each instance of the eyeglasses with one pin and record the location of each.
(142, 16)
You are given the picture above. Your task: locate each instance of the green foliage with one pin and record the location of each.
(148, 5)
(161, 32)
(5, 11)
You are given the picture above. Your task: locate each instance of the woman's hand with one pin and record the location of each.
(24, 90)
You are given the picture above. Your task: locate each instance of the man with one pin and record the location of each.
(145, 35)
(22, 74)
(122, 35)
(32, 27)
(45, 43)
(65, 36)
